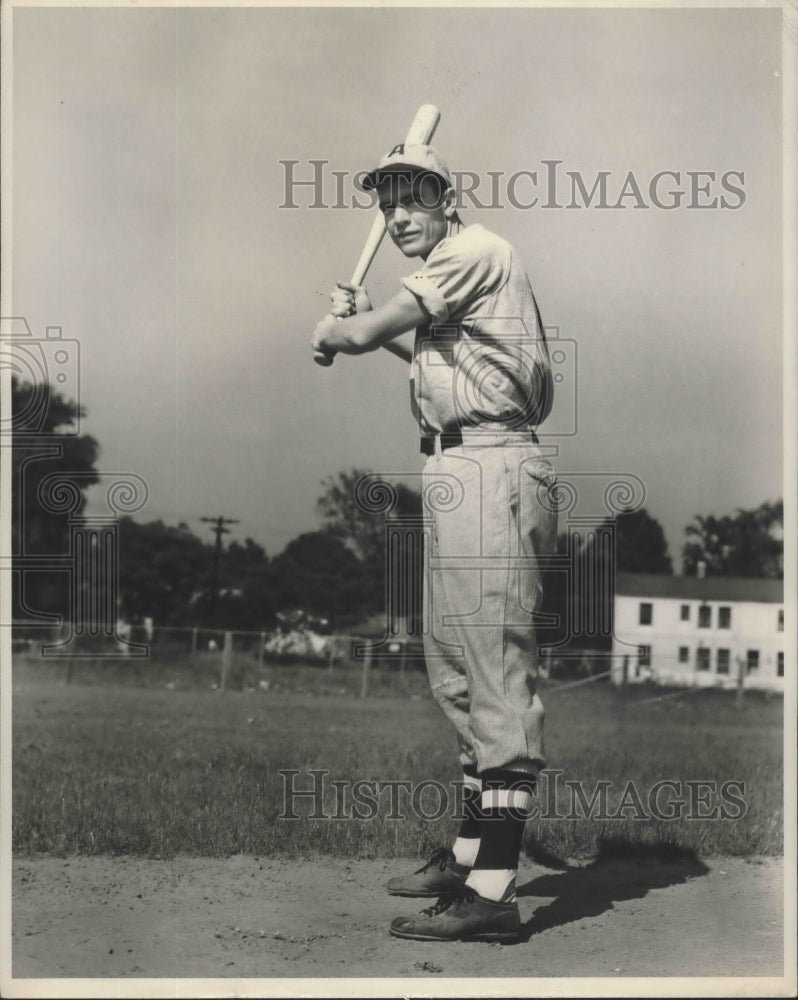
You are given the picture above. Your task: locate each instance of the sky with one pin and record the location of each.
(149, 223)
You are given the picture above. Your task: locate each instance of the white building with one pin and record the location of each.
(687, 630)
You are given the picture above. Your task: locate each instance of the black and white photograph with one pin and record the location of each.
(398, 443)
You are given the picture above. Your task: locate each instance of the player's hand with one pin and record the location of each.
(322, 354)
(348, 299)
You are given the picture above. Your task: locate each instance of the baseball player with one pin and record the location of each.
(481, 383)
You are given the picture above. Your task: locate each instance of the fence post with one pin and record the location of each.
(261, 650)
(64, 633)
(331, 653)
(403, 661)
(194, 632)
(227, 656)
(364, 683)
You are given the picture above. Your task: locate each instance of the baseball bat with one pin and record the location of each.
(420, 133)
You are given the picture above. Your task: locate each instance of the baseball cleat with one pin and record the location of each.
(439, 875)
(462, 915)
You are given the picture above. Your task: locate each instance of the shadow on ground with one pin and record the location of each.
(619, 872)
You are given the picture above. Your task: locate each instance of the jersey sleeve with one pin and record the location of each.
(457, 273)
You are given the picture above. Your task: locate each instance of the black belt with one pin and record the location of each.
(451, 439)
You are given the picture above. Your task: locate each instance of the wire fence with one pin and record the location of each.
(249, 660)
(223, 659)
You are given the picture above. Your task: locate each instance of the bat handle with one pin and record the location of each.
(370, 249)
(359, 276)
(325, 360)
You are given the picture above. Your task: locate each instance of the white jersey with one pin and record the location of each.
(483, 359)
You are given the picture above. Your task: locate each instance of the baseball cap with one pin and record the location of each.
(408, 158)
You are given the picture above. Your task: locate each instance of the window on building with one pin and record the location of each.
(685, 612)
(780, 665)
(646, 613)
(644, 656)
(752, 660)
(684, 654)
(780, 625)
(705, 616)
(723, 659)
(702, 659)
(724, 617)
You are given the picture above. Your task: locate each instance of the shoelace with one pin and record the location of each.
(454, 897)
(440, 857)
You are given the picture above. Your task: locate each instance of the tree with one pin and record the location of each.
(249, 596)
(579, 593)
(555, 601)
(163, 573)
(352, 509)
(166, 575)
(640, 544)
(746, 543)
(582, 596)
(319, 574)
(45, 445)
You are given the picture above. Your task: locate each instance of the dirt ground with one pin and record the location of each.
(263, 918)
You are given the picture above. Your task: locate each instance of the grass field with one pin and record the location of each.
(107, 765)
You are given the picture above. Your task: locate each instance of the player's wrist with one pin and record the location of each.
(322, 335)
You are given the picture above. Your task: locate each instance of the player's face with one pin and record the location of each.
(416, 213)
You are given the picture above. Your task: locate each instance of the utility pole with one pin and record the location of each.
(218, 529)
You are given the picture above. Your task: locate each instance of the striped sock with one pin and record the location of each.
(467, 843)
(505, 801)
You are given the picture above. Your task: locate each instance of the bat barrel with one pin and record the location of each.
(423, 126)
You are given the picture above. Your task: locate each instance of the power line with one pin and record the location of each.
(218, 529)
